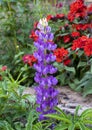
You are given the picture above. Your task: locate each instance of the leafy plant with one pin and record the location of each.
(73, 122)
(15, 16)
(85, 84)
(14, 104)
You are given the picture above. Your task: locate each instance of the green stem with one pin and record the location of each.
(91, 68)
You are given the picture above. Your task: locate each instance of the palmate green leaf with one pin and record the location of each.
(71, 127)
(18, 55)
(30, 98)
(82, 126)
(62, 127)
(61, 112)
(42, 125)
(58, 117)
(59, 66)
(4, 96)
(76, 112)
(4, 125)
(81, 64)
(86, 114)
(38, 126)
(62, 78)
(86, 81)
(72, 85)
(31, 118)
(70, 69)
(88, 88)
(87, 121)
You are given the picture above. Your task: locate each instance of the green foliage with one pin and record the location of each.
(85, 84)
(73, 122)
(64, 72)
(26, 70)
(15, 106)
(14, 29)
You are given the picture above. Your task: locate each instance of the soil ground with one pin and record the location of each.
(69, 99)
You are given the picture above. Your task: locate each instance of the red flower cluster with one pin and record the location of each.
(67, 62)
(84, 43)
(88, 47)
(33, 36)
(79, 43)
(82, 27)
(29, 59)
(75, 34)
(66, 38)
(77, 9)
(89, 10)
(61, 54)
(55, 18)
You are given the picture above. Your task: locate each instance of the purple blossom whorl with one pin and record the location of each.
(45, 92)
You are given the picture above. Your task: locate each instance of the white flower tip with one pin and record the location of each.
(43, 22)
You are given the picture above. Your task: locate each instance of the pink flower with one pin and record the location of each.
(4, 68)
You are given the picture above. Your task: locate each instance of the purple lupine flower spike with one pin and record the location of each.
(46, 93)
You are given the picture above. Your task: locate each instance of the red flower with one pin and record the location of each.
(77, 9)
(79, 43)
(66, 38)
(75, 34)
(70, 17)
(89, 9)
(67, 62)
(49, 17)
(60, 16)
(4, 68)
(88, 47)
(60, 54)
(81, 26)
(35, 25)
(33, 36)
(29, 59)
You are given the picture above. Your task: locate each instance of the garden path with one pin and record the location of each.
(69, 99)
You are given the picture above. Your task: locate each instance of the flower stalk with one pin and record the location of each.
(45, 91)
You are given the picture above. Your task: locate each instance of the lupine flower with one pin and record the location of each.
(46, 94)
